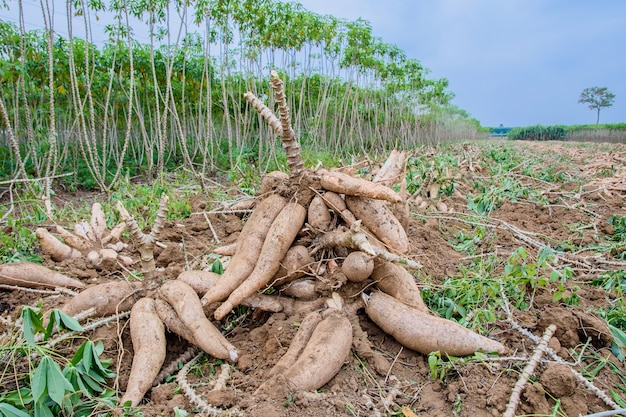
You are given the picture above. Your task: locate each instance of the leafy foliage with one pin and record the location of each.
(537, 133)
(130, 108)
(57, 386)
(17, 242)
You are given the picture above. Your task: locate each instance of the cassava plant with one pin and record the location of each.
(310, 203)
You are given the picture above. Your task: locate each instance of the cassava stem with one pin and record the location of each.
(248, 248)
(288, 136)
(528, 371)
(145, 243)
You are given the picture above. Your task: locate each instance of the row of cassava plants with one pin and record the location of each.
(70, 105)
(613, 133)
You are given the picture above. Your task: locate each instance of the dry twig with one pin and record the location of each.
(528, 371)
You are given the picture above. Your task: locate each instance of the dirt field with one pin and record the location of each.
(570, 215)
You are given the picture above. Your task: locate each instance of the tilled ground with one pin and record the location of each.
(572, 211)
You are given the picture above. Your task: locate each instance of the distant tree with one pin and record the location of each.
(597, 98)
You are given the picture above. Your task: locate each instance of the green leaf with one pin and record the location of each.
(618, 346)
(554, 276)
(217, 267)
(93, 384)
(67, 322)
(619, 335)
(63, 321)
(99, 348)
(180, 413)
(42, 410)
(78, 356)
(616, 397)
(433, 361)
(86, 370)
(101, 367)
(18, 398)
(617, 351)
(87, 355)
(56, 382)
(38, 381)
(7, 410)
(31, 323)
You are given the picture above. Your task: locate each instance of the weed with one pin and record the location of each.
(351, 410)
(548, 173)
(469, 299)
(457, 406)
(619, 228)
(490, 195)
(435, 169)
(246, 176)
(289, 400)
(180, 413)
(524, 275)
(466, 243)
(505, 158)
(613, 282)
(17, 243)
(438, 366)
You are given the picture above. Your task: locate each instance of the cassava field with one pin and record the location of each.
(389, 261)
(505, 238)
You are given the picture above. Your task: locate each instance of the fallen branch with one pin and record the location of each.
(528, 371)
(555, 357)
(195, 399)
(173, 367)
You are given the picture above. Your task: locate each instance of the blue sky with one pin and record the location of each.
(515, 62)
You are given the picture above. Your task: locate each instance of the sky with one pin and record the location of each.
(509, 62)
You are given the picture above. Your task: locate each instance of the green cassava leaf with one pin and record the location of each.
(32, 323)
(42, 410)
(7, 410)
(38, 381)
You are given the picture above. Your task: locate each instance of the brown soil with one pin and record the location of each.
(475, 388)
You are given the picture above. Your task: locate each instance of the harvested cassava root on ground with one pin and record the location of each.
(89, 240)
(318, 215)
(423, 332)
(148, 335)
(31, 275)
(189, 309)
(316, 354)
(379, 219)
(107, 299)
(350, 222)
(247, 250)
(279, 238)
(358, 266)
(322, 356)
(178, 307)
(343, 183)
(397, 282)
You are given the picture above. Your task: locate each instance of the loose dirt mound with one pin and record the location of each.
(477, 387)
